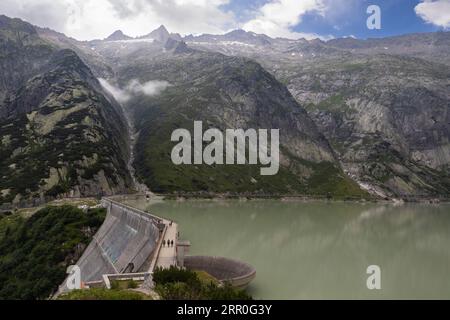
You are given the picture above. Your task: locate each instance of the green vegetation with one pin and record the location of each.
(329, 180)
(178, 284)
(104, 294)
(124, 284)
(154, 164)
(58, 121)
(206, 278)
(335, 103)
(35, 252)
(31, 156)
(219, 91)
(8, 221)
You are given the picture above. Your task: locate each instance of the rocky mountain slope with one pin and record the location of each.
(354, 115)
(60, 132)
(223, 92)
(383, 104)
(434, 47)
(387, 117)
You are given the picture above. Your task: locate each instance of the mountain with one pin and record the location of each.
(388, 119)
(118, 36)
(433, 47)
(383, 104)
(355, 116)
(233, 37)
(223, 92)
(61, 133)
(161, 34)
(90, 57)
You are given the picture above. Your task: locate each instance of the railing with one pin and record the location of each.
(137, 211)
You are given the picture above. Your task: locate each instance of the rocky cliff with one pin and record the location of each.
(60, 132)
(383, 104)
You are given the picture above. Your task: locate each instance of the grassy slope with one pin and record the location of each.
(35, 252)
(162, 176)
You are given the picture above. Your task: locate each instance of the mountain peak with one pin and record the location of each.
(161, 34)
(162, 28)
(238, 32)
(118, 35)
(248, 37)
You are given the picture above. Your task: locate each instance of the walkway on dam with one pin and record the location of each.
(167, 256)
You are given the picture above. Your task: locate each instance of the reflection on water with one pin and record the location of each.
(319, 250)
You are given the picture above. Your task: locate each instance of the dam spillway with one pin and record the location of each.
(127, 242)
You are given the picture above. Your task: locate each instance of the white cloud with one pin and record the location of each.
(44, 12)
(278, 17)
(436, 12)
(120, 95)
(149, 88)
(89, 19)
(97, 19)
(134, 88)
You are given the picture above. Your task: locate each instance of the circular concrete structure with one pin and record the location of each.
(236, 273)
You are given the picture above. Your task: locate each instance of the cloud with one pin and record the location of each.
(47, 13)
(120, 95)
(90, 19)
(97, 19)
(150, 88)
(134, 88)
(278, 17)
(436, 12)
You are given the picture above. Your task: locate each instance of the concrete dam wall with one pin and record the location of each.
(127, 242)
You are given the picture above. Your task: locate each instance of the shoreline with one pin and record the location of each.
(296, 198)
(181, 197)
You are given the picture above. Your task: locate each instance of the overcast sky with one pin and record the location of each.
(92, 19)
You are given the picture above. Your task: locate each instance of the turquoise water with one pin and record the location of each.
(319, 250)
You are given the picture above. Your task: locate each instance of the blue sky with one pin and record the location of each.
(94, 19)
(397, 17)
(348, 17)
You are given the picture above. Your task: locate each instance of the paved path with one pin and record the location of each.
(168, 254)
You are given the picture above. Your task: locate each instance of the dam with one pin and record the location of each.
(126, 243)
(130, 243)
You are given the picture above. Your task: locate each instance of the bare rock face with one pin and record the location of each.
(388, 122)
(55, 116)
